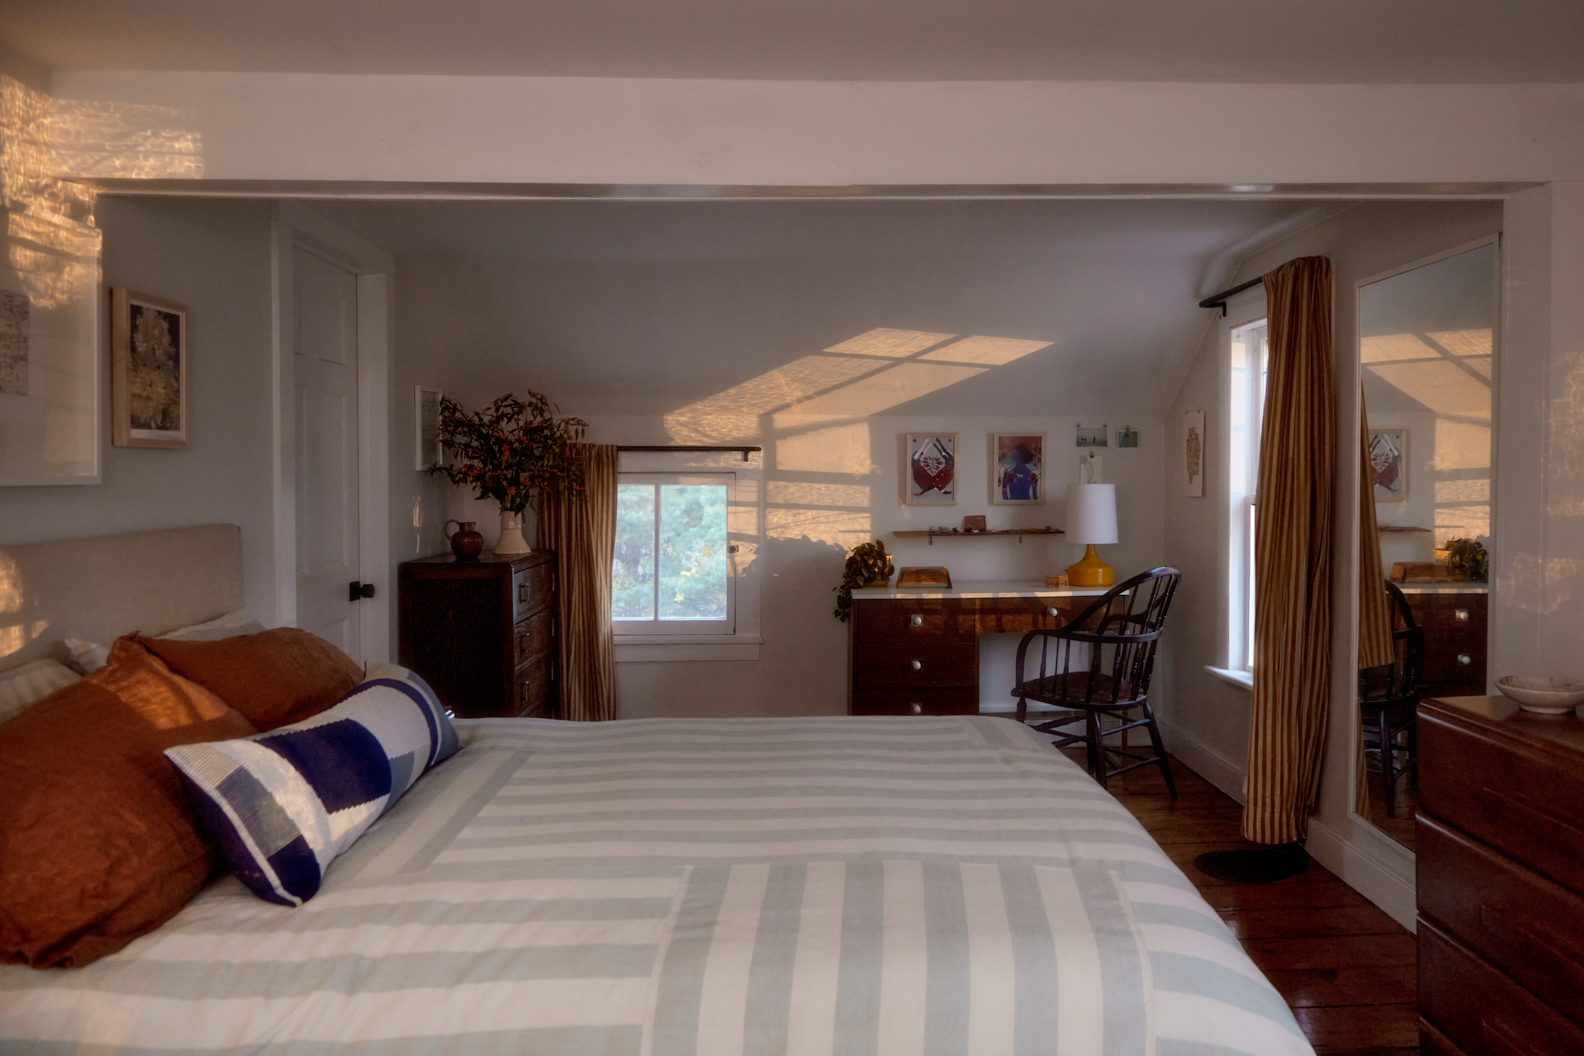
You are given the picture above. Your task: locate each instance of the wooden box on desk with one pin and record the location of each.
(482, 632)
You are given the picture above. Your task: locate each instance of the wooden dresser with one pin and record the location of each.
(1500, 846)
(1454, 629)
(915, 651)
(482, 633)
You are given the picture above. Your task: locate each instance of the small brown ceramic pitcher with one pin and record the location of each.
(466, 543)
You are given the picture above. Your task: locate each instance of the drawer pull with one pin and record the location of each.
(917, 665)
(1052, 611)
(1460, 614)
(916, 620)
(918, 709)
(1464, 659)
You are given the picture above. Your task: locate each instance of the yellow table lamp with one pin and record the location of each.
(1091, 520)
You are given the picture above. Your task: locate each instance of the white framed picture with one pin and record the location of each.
(1388, 456)
(931, 469)
(427, 451)
(1017, 472)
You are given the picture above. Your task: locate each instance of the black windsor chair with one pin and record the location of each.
(1388, 696)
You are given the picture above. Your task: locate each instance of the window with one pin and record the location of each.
(1249, 354)
(672, 573)
(685, 577)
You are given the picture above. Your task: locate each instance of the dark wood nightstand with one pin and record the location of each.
(483, 632)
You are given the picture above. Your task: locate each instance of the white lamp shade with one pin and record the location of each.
(1091, 514)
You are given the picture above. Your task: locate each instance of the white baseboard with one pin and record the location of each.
(1219, 771)
(1395, 895)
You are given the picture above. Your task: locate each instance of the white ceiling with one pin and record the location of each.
(1250, 41)
(650, 307)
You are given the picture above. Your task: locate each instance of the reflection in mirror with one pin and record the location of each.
(1426, 359)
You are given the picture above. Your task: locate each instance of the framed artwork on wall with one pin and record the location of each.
(50, 355)
(1388, 456)
(931, 469)
(1017, 476)
(426, 428)
(148, 371)
(1193, 454)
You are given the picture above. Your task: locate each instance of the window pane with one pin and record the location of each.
(693, 552)
(632, 573)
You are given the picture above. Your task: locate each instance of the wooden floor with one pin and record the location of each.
(1345, 967)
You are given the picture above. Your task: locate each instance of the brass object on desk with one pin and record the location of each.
(1054, 580)
(924, 577)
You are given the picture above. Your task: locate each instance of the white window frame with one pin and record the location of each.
(1245, 412)
(654, 625)
(678, 641)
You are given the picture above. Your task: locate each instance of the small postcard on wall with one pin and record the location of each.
(1092, 436)
(1193, 454)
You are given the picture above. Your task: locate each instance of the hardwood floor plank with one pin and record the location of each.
(1323, 987)
(1275, 896)
(1310, 921)
(1353, 1028)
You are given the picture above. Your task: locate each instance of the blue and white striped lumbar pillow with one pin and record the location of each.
(282, 805)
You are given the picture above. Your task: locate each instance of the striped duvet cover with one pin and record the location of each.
(745, 886)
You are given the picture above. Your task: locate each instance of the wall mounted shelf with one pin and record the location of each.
(1019, 532)
(1398, 528)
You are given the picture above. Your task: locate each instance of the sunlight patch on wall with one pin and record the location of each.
(1385, 348)
(733, 415)
(1463, 342)
(1440, 385)
(1565, 444)
(877, 392)
(802, 493)
(836, 449)
(827, 527)
(1538, 585)
(1462, 490)
(990, 351)
(893, 344)
(1461, 522)
(125, 141)
(1461, 445)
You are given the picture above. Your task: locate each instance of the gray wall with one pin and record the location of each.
(212, 256)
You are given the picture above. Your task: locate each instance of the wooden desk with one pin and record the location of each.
(915, 650)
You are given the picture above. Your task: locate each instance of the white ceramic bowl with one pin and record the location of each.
(1548, 696)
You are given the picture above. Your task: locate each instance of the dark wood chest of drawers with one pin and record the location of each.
(483, 632)
(1454, 630)
(920, 656)
(1500, 847)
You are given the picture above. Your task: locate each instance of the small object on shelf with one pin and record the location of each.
(1054, 580)
(1398, 528)
(933, 532)
(1546, 696)
(974, 523)
(924, 577)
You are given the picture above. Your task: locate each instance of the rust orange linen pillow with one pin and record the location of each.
(98, 842)
(275, 678)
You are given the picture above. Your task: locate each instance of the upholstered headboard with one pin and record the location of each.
(104, 587)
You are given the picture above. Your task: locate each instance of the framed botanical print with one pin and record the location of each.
(1388, 458)
(148, 371)
(931, 469)
(1018, 475)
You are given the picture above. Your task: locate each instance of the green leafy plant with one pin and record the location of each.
(1466, 557)
(513, 451)
(867, 564)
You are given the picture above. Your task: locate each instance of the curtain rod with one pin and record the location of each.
(667, 447)
(1219, 300)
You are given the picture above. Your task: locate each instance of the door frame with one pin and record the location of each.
(296, 225)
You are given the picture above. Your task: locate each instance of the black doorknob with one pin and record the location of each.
(358, 591)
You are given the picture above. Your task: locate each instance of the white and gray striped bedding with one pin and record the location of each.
(851, 886)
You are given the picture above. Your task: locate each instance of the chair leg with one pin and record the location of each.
(1413, 756)
(1160, 749)
(1387, 757)
(1097, 763)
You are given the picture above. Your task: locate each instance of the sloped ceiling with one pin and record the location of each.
(650, 307)
(1249, 41)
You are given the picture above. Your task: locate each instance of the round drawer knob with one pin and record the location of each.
(1460, 614)
(917, 665)
(916, 620)
(1052, 611)
(918, 709)
(1464, 659)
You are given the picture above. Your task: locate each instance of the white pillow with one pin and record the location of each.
(85, 657)
(30, 684)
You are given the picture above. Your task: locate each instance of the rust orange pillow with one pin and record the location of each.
(98, 842)
(274, 678)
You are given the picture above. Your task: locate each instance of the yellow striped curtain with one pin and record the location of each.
(1292, 556)
(581, 529)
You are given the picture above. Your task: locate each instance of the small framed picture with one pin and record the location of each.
(1017, 477)
(1092, 436)
(1388, 457)
(426, 428)
(1127, 437)
(931, 469)
(148, 371)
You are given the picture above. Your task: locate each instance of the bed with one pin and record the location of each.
(817, 885)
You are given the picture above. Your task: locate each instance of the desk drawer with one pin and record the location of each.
(532, 637)
(917, 664)
(1519, 921)
(934, 700)
(1523, 801)
(532, 589)
(1481, 1010)
(907, 620)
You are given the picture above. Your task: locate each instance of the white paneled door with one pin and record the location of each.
(325, 371)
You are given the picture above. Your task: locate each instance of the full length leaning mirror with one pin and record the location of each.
(1427, 363)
